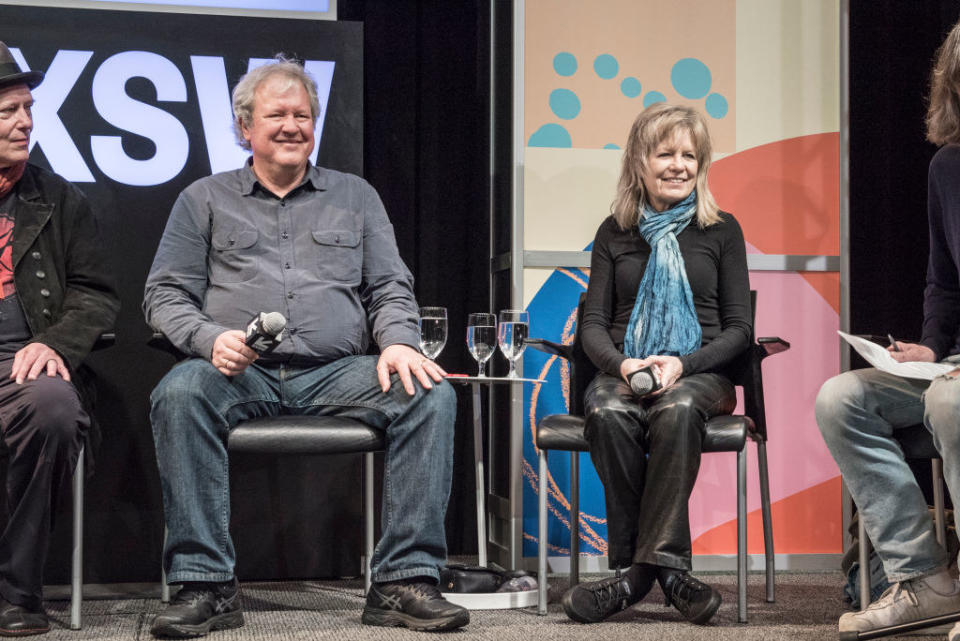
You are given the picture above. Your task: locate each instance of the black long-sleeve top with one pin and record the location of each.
(941, 299)
(716, 264)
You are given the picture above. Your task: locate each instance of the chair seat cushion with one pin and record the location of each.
(305, 435)
(565, 432)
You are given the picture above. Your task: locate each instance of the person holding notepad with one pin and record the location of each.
(858, 412)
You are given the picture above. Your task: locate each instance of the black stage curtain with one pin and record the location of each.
(892, 45)
(426, 150)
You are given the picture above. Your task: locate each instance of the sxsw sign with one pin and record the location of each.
(168, 134)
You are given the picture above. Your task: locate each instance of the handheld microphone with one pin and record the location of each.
(645, 381)
(265, 332)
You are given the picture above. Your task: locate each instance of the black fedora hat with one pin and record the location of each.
(11, 74)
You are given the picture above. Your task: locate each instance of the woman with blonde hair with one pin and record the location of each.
(668, 295)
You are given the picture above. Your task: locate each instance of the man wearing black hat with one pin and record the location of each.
(56, 298)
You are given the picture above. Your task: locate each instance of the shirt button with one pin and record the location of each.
(293, 330)
(283, 204)
(37, 255)
(290, 295)
(45, 292)
(46, 313)
(284, 235)
(41, 274)
(286, 266)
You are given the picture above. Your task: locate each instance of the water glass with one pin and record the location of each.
(481, 338)
(512, 334)
(433, 330)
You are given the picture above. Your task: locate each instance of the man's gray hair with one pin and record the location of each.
(244, 94)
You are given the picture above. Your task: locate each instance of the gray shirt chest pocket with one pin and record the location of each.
(339, 255)
(233, 259)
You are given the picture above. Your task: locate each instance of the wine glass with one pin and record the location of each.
(433, 330)
(481, 338)
(511, 335)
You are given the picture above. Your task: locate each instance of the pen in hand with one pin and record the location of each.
(893, 343)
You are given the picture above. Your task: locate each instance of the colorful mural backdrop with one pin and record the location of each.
(766, 75)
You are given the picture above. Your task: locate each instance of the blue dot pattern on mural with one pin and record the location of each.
(716, 105)
(690, 77)
(653, 97)
(565, 63)
(606, 66)
(630, 87)
(564, 104)
(550, 135)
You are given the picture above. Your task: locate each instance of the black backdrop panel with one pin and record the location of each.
(279, 527)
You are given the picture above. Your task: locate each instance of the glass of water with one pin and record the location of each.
(512, 334)
(433, 330)
(481, 338)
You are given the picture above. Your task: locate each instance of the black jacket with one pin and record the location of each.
(62, 280)
(63, 283)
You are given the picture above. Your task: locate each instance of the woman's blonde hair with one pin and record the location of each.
(655, 124)
(943, 113)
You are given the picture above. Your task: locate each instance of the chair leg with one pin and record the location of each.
(768, 553)
(367, 519)
(742, 535)
(574, 518)
(164, 586)
(542, 537)
(864, 548)
(937, 473)
(76, 573)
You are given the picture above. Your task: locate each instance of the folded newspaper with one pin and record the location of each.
(879, 357)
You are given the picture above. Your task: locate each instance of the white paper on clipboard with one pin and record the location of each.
(879, 357)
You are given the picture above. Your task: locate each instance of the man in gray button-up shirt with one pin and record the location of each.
(315, 245)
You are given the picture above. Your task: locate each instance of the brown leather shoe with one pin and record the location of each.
(17, 621)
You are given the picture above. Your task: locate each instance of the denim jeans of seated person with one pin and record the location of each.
(194, 407)
(858, 413)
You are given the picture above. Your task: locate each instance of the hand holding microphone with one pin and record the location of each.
(652, 374)
(235, 349)
(645, 380)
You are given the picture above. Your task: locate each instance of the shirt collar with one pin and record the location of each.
(316, 176)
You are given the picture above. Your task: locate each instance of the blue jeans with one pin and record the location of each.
(194, 407)
(858, 413)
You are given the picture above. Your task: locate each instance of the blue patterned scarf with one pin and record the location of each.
(664, 320)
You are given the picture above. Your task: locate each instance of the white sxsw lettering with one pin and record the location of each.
(48, 129)
(119, 109)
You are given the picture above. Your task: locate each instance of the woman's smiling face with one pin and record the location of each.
(671, 171)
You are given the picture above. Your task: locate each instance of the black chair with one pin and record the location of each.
(305, 435)
(723, 434)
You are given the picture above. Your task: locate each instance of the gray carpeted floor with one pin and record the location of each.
(807, 607)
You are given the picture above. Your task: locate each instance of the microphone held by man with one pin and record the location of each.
(265, 332)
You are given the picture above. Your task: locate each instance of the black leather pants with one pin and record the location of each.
(647, 454)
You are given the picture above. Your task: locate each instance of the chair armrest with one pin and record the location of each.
(772, 345)
(160, 342)
(105, 340)
(549, 347)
